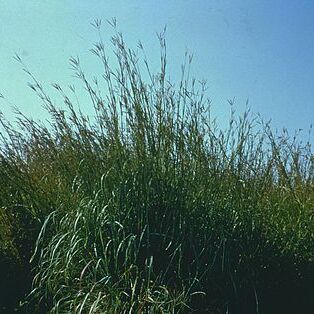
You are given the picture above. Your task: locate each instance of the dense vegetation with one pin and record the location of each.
(149, 207)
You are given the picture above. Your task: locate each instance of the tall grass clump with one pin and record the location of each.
(149, 206)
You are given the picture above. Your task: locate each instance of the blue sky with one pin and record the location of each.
(258, 50)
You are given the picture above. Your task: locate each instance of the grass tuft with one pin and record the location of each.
(150, 207)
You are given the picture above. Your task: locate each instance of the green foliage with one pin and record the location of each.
(150, 207)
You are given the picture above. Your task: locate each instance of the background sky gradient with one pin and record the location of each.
(258, 50)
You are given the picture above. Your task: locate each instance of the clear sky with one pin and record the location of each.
(260, 50)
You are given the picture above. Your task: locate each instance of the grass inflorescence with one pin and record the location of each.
(150, 207)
